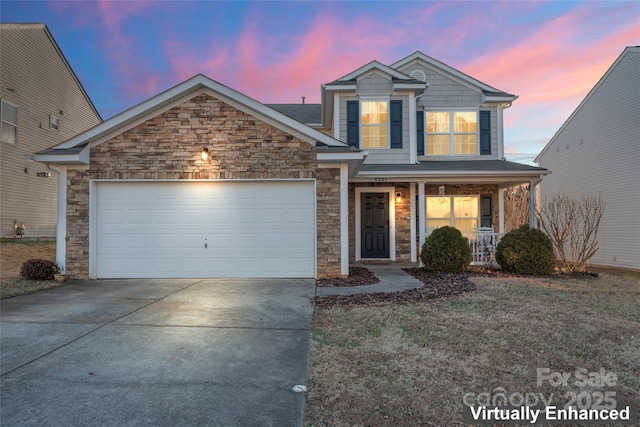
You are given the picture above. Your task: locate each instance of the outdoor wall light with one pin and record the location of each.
(398, 197)
(205, 154)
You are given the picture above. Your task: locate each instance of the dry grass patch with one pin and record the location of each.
(12, 256)
(412, 364)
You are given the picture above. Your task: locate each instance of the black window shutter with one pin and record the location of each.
(486, 212)
(396, 123)
(485, 132)
(420, 132)
(353, 123)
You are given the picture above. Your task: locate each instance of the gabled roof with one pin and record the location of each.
(167, 100)
(304, 113)
(39, 26)
(627, 51)
(489, 91)
(374, 65)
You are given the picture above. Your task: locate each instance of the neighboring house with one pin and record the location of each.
(596, 152)
(42, 103)
(203, 181)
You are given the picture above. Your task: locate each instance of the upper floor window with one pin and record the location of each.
(375, 124)
(9, 122)
(451, 133)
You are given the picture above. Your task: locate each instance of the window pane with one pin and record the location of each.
(9, 113)
(465, 144)
(8, 133)
(374, 112)
(438, 145)
(374, 137)
(439, 207)
(466, 226)
(465, 122)
(437, 122)
(465, 207)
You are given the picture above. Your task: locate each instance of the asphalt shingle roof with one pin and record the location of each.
(304, 113)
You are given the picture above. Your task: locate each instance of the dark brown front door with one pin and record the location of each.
(375, 225)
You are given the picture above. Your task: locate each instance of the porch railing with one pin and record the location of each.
(483, 246)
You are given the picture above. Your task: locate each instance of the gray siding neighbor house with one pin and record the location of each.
(203, 181)
(42, 103)
(597, 152)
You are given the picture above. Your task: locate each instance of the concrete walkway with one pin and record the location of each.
(392, 279)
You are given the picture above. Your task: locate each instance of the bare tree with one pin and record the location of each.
(572, 226)
(516, 206)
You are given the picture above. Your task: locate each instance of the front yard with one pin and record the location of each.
(413, 364)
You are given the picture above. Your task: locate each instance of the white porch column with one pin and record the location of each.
(61, 227)
(344, 219)
(501, 210)
(412, 215)
(421, 213)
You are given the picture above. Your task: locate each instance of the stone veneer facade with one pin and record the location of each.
(168, 147)
(403, 210)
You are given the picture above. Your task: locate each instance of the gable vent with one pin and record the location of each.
(419, 75)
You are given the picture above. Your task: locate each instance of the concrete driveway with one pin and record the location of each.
(156, 352)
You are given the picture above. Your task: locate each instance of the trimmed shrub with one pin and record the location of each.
(446, 250)
(38, 269)
(526, 250)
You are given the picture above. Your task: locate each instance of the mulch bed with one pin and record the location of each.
(358, 276)
(435, 286)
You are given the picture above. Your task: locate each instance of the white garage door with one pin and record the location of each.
(204, 229)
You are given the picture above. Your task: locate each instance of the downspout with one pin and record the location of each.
(533, 202)
(415, 101)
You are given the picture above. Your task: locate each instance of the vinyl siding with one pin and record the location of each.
(445, 93)
(374, 84)
(42, 85)
(597, 152)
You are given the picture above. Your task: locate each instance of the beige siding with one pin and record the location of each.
(37, 79)
(374, 84)
(597, 152)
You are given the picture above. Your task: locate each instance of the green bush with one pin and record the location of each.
(38, 269)
(526, 251)
(446, 251)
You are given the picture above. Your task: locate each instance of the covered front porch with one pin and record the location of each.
(391, 211)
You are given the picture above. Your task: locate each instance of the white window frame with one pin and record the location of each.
(376, 99)
(452, 218)
(2, 122)
(451, 130)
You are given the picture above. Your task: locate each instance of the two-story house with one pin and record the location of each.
(203, 181)
(42, 103)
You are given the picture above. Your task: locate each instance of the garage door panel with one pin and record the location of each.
(159, 229)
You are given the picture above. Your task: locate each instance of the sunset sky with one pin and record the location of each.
(549, 53)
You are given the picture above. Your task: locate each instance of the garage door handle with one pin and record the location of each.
(205, 246)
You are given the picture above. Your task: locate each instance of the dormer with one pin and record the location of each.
(371, 109)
